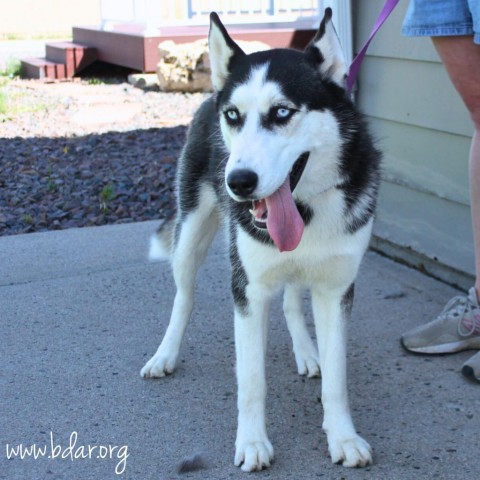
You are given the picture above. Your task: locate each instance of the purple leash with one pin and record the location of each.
(357, 61)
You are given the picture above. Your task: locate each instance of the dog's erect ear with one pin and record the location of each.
(326, 52)
(223, 51)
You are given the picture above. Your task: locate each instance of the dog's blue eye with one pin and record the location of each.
(278, 116)
(282, 112)
(232, 116)
(281, 115)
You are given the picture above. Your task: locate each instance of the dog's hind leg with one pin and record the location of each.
(330, 310)
(306, 355)
(193, 235)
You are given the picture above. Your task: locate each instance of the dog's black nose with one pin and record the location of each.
(242, 182)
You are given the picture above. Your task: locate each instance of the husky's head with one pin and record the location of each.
(277, 120)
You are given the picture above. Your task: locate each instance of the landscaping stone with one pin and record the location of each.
(186, 67)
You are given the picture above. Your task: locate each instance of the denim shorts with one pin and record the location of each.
(438, 18)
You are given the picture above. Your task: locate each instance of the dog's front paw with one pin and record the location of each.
(253, 456)
(307, 364)
(306, 358)
(158, 366)
(350, 452)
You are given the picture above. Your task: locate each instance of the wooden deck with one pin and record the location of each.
(128, 46)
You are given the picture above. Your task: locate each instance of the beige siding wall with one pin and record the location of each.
(425, 132)
(33, 18)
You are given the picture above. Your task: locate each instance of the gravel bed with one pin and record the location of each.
(73, 154)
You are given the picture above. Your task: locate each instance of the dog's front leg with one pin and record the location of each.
(345, 445)
(253, 449)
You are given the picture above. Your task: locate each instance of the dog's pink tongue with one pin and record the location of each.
(284, 223)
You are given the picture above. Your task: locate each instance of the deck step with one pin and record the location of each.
(74, 55)
(42, 68)
(63, 60)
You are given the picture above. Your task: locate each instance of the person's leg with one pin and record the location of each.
(461, 58)
(458, 326)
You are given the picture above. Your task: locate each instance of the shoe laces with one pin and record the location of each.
(460, 307)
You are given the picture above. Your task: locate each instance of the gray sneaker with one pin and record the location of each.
(471, 368)
(457, 328)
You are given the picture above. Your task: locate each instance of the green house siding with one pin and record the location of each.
(424, 131)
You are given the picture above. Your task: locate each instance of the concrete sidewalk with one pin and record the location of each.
(82, 310)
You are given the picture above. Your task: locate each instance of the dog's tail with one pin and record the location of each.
(161, 242)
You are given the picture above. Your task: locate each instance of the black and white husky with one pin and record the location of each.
(283, 157)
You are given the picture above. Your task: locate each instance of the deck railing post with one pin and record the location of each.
(271, 8)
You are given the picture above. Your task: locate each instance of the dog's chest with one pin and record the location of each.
(320, 259)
